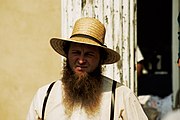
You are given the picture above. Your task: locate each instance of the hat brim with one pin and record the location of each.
(58, 43)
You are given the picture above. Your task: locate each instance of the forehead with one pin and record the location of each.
(84, 46)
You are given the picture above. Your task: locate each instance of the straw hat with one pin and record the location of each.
(87, 31)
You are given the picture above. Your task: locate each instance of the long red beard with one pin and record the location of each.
(81, 90)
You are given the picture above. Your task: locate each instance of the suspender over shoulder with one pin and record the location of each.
(45, 99)
(112, 100)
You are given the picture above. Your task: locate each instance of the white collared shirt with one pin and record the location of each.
(127, 106)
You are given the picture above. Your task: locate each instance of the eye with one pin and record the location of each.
(75, 52)
(90, 54)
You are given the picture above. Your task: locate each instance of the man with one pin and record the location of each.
(83, 93)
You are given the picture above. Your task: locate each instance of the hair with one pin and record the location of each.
(82, 89)
(66, 46)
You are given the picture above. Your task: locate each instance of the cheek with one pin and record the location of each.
(95, 62)
(71, 61)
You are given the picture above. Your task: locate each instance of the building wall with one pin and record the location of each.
(27, 61)
(119, 18)
(175, 69)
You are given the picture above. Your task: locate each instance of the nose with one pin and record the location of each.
(82, 60)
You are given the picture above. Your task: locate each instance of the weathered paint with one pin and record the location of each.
(175, 69)
(119, 18)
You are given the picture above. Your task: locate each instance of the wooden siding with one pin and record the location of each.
(119, 18)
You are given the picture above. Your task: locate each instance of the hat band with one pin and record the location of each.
(89, 37)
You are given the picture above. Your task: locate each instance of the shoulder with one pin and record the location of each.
(38, 99)
(41, 92)
(45, 87)
(124, 90)
(108, 82)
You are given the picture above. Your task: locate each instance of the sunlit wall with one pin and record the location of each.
(26, 59)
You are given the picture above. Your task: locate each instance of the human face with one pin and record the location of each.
(83, 58)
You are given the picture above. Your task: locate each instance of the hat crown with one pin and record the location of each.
(90, 27)
(88, 31)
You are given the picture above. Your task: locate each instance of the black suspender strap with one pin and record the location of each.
(45, 99)
(113, 100)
